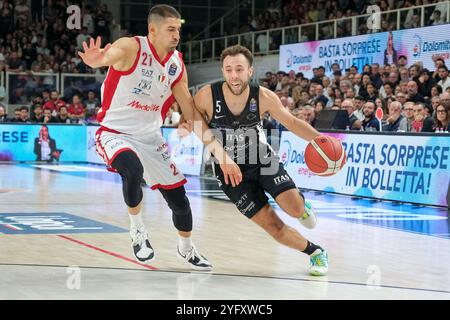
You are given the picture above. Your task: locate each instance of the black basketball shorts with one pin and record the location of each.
(249, 196)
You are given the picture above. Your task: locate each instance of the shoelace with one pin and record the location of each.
(319, 260)
(190, 254)
(306, 214)
(139, 238)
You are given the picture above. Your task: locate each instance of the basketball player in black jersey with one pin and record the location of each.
(234, 109)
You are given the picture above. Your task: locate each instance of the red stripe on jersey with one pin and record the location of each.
(110, 84)
(98, 145)
(155, 54)
(166, 106)
(136, 60)
(103, 128)
(182, 70)
(117, 153)
(169, 186)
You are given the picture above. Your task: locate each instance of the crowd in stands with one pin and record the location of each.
(294, 12)
(50, 108)
(35, 38)
(413, 99)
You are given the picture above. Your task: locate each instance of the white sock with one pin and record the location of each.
(185, 244)
(136, 220)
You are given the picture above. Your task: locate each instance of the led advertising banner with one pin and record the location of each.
(187, 153)
(52, 143)
(419, 44)
(92, 155)
(399, 168)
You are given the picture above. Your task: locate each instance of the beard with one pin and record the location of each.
(232, 89)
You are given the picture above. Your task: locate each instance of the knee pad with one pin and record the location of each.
(130, 169)
(181, 209)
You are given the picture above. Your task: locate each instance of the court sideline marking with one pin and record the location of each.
(107, 252)
(236, 275)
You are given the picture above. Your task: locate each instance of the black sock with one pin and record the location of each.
(311, 247)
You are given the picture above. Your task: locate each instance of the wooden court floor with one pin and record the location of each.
(64, 235)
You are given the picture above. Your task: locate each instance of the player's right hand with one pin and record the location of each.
(231, 173)
(93, 55)
(185, 127)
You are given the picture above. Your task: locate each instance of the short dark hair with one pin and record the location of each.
(402, 56)
(438, 88)
(234, 51)
(443, 67)
(162, 11)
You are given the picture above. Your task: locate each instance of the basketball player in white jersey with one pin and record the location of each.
(146, 75)
(235, 109)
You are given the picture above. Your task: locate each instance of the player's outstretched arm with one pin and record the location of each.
(121, 54)
(195, 117)
(269, 102)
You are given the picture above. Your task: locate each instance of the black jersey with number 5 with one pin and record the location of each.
(242, 136)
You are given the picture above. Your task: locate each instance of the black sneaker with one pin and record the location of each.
(195, 259)
(142, 249)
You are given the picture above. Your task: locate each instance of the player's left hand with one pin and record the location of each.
(231, 173)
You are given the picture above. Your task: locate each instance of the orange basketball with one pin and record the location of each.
(325, 155)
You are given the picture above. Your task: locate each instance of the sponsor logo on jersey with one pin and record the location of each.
(137, 105)
(248, 208)
(280, 179)
(161, 147)
(116, 144)
(145, 84)
(242, 200)
(253, 107)
(161, 78)
(139, 91)
(147, 73)
(172, 69)
(165, 155)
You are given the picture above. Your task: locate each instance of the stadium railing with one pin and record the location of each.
(20, 87)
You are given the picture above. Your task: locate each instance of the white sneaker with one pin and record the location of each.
(318, 263)
(309, 219)
(142, 249)
(195, 259)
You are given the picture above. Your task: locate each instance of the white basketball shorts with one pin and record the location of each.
(159, 169)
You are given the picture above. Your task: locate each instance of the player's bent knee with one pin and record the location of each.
(128, 166)
(178, 202)
(131, 170)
